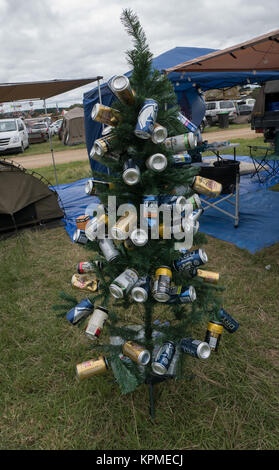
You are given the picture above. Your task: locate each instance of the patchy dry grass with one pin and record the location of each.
(230, 403)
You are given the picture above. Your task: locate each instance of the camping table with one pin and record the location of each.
(233, 197)
(268, 162)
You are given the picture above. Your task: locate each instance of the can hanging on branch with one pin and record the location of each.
(123, 283)
(108, 249)
(213, 335)
(146, 119)
(131, 172)
(161, 286)
(81, 310)
(163, 358)
(137, 353)
(121, 88)
(180, 143)
(195, 348)
(96, 322)
(105, 114)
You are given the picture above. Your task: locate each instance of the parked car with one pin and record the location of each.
(55, 126)
(13, 136)
(214, 108)
(245, 109)
(37, 132)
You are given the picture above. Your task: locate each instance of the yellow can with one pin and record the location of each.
(91, 367)
(207, 187)
(208, 276)
(163, 271)
(213, 334)
(105, 114)
(136, 352)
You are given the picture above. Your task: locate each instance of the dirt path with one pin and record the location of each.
(45, 159)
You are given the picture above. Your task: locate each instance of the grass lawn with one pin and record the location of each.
(230, 403)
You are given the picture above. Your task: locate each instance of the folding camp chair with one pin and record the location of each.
(226, 172)
(269, 162)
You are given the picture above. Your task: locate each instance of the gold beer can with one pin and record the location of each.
(85, 282)
(81, 221)
(105, 114)
(213, 335)
(161, 285)
(208, 276)
(92, 367)
(207, 187)
(136, 352)
(102, 145)
(124, 226)
(121, 88)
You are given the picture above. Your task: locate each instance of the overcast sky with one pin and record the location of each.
(48, 39)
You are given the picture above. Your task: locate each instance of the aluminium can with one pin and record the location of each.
(190, 260)
(196, 348)
(96, 322)
(139, 237)
(80, 237)
(123, 283)
(181, 159)
(208, 276)
(81, 221)
(121, 88)
(131, 172)
(206, 186)
(159, 134)
(163, 358)
(195, 201)
(102, 145)
(87, 267)
(182, 294)
(95, 226)
(228, 322)
(180, 143)
(146, 119)
(141, 290)
(105, 114)
(161, 285)
(92, 367)
(108, 249)
(136, 352)
(157, 162)
(85, 282)
(187, 123)
(213, 335)
(81, 310)
(124, 225)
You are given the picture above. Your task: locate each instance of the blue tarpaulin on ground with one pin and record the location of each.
(258, 223)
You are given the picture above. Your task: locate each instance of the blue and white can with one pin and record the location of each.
(195, 348)
(181, 159)
(146, 119)
(81, 310)
(187, 123)
(163, 358)
(190, 260)
(228, 322)
(182, 295)
(150, 209)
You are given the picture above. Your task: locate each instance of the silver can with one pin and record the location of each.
(96, 323)
(182, 142)
(163, 358)
(157, 162)
(141, 290)
(139, 237)
(89, 188)
(123, 283)
(159, 134)
(131, 172)
(80, 237)
(108, 249)
(96, 226)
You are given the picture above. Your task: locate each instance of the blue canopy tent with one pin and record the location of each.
(186, 86)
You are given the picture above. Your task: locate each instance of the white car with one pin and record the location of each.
(13, 136)
(214, 108)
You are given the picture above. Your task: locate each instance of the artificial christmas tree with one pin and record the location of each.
(140, 259)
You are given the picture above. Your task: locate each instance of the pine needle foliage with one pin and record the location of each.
(146, 83)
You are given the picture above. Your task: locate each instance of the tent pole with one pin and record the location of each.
(51, 148)
(100, 98)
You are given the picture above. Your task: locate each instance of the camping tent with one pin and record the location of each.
(25, 199)
(72, 132)
(186, 86)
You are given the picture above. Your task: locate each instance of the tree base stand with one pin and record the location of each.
(151, 380)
